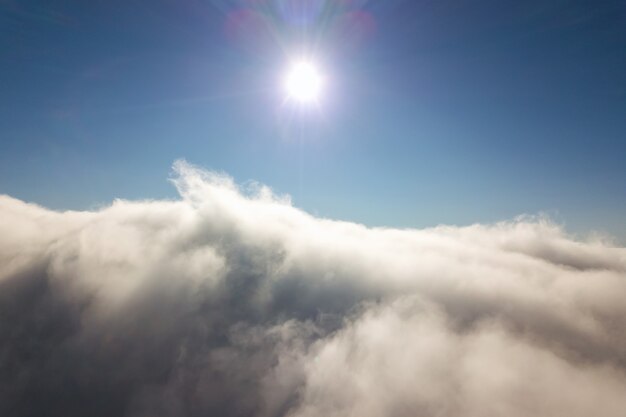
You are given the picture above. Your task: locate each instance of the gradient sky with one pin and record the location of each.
(435, 112)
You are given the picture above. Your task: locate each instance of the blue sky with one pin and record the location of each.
(435, 112)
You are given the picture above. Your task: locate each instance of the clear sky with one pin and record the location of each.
(433, 112)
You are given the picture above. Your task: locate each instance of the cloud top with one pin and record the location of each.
(232, 302)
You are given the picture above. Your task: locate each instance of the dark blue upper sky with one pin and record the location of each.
(435, 112)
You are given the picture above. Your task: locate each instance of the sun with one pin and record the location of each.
(304, 82)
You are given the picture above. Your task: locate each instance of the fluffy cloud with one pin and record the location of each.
(232, 302)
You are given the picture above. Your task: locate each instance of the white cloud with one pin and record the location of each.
(238, 304)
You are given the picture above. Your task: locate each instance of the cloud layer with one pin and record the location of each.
(231, 302)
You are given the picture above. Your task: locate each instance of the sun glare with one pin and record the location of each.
(303, 82)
